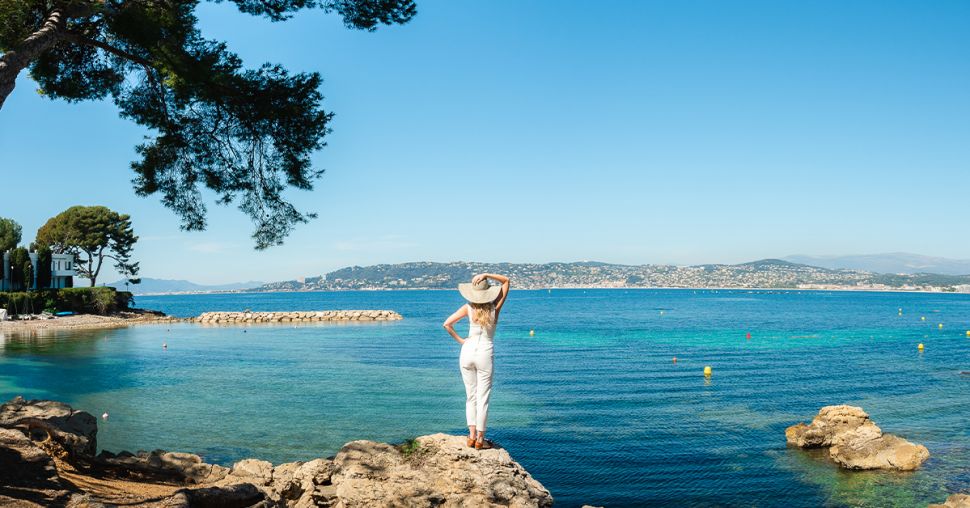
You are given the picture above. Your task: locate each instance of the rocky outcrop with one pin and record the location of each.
(297, 317)
(437, 470)
(55, 467)
(855, 442)
(954, 501)
(74, 431)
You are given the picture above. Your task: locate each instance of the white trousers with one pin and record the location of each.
(476, 371)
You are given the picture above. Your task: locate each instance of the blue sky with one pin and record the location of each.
(620, 131)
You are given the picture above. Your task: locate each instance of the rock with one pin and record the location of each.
(284, 487)
(883, 452)
(159, 464)
(24, 463)
(954, 501)
(26, 467)
(259, 472)
(441, 471)
(828, 427)
(75, 431)
(240, 495)
(855, 442)
(309, 485)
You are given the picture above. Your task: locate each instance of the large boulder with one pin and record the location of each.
(75, 431)
(855, 442)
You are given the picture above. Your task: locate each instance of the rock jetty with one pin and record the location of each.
(297, 317)
(855, 442)
(46, 459)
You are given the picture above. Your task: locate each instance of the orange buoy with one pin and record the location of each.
(748, 336)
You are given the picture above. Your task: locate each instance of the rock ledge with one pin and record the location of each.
(46, 460)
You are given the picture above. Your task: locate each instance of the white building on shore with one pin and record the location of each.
(63, 271)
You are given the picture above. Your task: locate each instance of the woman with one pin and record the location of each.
(484, 304)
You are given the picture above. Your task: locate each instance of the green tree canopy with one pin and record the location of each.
(93, 234)
(246, 134)
(18, 258)
(9, 235)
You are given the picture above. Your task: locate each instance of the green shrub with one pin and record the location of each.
(50, 304)
(97, 300)
(409, 448)
(124, 300)
(21, 303)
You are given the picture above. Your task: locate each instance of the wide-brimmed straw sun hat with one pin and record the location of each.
(481, 292)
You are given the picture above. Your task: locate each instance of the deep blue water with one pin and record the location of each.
(592, 405)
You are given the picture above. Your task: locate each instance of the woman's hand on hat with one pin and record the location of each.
(478, 278)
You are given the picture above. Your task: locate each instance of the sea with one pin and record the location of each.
(587, 395)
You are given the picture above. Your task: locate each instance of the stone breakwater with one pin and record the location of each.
(297, 317)
(47, 459)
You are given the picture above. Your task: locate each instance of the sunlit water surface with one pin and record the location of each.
(592, 405)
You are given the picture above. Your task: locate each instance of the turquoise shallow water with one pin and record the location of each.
(592, 405)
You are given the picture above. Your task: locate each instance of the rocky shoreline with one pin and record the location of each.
(86, 322)
(47, 459)
(125, 319)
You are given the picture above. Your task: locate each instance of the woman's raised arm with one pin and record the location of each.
(500, 301)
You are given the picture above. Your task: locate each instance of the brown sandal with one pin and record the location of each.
(483, 444)
(471, 442)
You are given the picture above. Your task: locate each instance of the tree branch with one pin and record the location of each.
(80, 39)
(145, 64)
(12, 62)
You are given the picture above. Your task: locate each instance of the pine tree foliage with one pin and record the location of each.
(246, 134)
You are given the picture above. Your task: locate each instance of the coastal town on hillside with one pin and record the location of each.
(771, 274)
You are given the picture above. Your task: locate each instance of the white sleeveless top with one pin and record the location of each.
(477, 331)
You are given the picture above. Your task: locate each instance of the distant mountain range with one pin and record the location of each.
(766, 273)
(155, 286)
(895, 262)
(875, 271)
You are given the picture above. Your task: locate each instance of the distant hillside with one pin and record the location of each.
(150, 286)
(766, 273)
(896, 262)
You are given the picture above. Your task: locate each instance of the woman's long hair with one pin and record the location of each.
(484, 314)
